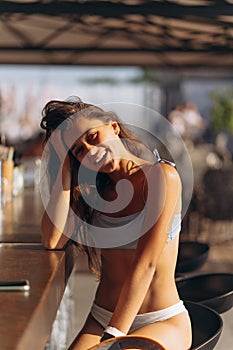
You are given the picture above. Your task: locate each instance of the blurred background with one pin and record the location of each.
(172, 56)
(197, 102)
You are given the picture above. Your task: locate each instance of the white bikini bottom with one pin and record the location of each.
(103, 316)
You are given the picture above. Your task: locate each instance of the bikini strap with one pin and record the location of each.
(158, 160)
(162, 160)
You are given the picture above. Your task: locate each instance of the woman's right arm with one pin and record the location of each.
(54, 220)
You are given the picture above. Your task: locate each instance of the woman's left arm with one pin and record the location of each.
(150, 245)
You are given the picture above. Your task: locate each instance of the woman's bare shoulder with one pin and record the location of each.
(170, 173)
(163, 170)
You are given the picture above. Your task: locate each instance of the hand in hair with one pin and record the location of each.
(64, 158)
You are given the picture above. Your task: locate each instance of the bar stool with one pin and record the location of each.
(206, 326)
(214, 290)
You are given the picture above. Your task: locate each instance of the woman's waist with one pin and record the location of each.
(114, 275)
(157, 297)
(107, 294)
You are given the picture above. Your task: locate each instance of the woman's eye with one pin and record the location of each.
(92, 136)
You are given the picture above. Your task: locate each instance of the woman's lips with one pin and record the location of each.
(101, 156)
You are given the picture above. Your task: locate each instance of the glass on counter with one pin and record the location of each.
(7, 181)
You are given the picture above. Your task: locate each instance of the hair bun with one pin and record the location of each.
(73, 99)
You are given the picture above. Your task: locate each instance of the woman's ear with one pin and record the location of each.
(115, 127)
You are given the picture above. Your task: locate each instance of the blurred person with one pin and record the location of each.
(187, 121)
(176, 117)
(195, 124)
(137, 293)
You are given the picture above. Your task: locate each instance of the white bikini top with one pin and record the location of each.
(131, 226)
(125, 231)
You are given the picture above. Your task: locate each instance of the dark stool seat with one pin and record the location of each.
(191, 256)
(214, 290)
(206, 326)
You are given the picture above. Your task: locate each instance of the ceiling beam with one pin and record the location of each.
(116, 9)
(165, 65)
(168, 49)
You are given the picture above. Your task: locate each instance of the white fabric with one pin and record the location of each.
(113, 331)
(132, 225)
(103, 316)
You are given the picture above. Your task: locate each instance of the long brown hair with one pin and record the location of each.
(56, 113)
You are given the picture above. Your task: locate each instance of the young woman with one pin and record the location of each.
(137, 293)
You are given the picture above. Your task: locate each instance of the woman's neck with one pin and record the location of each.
(127, 167)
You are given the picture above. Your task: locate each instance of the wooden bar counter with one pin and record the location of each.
(26, 318)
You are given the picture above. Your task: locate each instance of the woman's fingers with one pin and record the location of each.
(62, 153)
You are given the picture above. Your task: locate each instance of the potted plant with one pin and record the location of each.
(222, 111)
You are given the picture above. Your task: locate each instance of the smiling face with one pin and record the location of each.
(98, 144)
